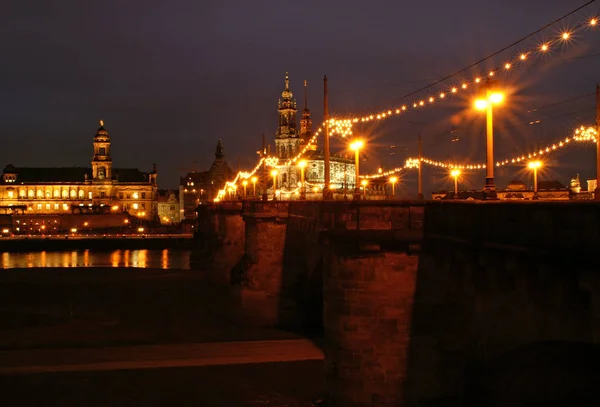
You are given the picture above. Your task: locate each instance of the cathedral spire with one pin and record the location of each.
(219, 153)
(305, 97)
(287, 81)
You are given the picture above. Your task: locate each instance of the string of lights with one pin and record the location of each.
(582, 134)
(342, 127)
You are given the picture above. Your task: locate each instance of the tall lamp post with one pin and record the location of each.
(274, 175)
(254, 179)
(455, 174)
(534, 165)
(492, 97)
(302, 164)
(356, 145)
(245, 184)
(364, 183)
(393, 181)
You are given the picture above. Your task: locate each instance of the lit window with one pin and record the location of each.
(90, 195)
(40, 193)
(65, 194)
(47, 207)
(56, 193)
(21, 193)
(135, 195)
(30, 193)
(10, 194)
(73, 194)
(39, 206)
(55, 207)
(81, 194)
(135, 206)
(65, 207)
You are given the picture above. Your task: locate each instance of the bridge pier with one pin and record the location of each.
(368, 298)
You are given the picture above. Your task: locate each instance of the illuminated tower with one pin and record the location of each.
(287, 142)
(101, 163)
(305, 122)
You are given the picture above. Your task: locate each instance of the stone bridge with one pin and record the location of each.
(423, 303)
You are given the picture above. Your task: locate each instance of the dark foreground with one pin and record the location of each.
(292, 384)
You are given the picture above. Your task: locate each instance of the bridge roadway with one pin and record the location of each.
(454, 303)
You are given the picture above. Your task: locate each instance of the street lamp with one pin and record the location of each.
(492, 97)
(455, 174)
(393, 181)
(302, 164)
(356, 145)
(254, 179)
(534, 165)
(274, 175)
(245, 183)
(364, 183)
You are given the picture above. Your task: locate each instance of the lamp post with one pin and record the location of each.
(492, 97)
(393, 181)
(245, 184)
(274, 175)
(455, 174)
(254, 179)
(302, 164)
(356, 145)
(534, 165)
(364, 183)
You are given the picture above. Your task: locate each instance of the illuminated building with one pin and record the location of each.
(289, 142)
(66, 190)
(197, 188)
(168, 207)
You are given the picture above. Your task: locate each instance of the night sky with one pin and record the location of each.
(171, 78)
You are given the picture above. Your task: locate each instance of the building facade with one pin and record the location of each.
(168, 207)
(289, 142)
(62, 190)
(198, 188)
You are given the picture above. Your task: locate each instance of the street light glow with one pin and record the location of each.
(274, 173)
(364, 182)
(534, 164)
(497, 97)
(393, 180)
(244, 182)
(357, 145)
(455, 173)
(481, 104)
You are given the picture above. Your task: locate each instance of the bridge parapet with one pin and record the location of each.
(556, 227)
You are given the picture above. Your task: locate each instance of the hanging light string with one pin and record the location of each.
(269, 161)
(582, 134)
(342, 127)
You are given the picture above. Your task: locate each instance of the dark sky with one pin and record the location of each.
(171, 78)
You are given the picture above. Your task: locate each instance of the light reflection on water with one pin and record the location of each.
(165, 259)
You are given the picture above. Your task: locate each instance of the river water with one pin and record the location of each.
(162, 259)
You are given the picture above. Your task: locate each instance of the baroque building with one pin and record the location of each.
(99, 189)
(198, 188)
(289, 142)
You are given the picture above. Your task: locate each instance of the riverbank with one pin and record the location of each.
(99, 242)
(92, 307)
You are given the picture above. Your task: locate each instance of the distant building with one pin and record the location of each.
(62, 190)
(196, 188)
(168, 207)
(288, 144)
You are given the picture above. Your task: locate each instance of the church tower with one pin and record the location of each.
(305, 122)
(287, 141)
(101, 163)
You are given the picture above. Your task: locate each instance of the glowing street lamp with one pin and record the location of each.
(356, 145)
(393, 181)
(302, 164)
(254, 179)
(492, 97)
(274, 175)
(455, 174)
(534, 165)
(245, 183)
(364, 183)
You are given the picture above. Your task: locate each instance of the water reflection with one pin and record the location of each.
(165, 259)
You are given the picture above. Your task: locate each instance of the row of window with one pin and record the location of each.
(73, 194)
(66, 207)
